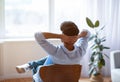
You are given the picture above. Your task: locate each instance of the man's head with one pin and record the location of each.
(70, 31)
(69, 28)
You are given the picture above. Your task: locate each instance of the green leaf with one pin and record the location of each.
(91, 37)
(97, 23)
(91, 70)
(101, 47)
(97, 41)
(92, 57)
(102, 27)
(103, 62)
(93, 45)
(89, 22)
(96, 64)
(90, 63)
(100, 64)
(106, 47)
(106, 56)
(103, 39)
(100, 56)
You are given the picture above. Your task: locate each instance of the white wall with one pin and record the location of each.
(1, 60)
(13, 53)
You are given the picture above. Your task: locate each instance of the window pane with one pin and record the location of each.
(70, 10)
(24, 17)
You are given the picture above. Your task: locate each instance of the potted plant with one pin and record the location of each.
(97, 60)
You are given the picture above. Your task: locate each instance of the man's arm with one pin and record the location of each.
(46, 45)
(83, 34)
(83, 40)
(49, 35)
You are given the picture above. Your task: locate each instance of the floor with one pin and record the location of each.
(107, 79)
(18, 80)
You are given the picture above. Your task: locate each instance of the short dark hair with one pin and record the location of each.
(69, 28)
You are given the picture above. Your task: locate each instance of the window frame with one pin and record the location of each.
(2, 20)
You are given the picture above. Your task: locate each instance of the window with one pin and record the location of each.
(24, 17)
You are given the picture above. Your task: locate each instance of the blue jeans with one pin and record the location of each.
(35, 64)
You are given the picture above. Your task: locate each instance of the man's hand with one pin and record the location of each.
(82, 34)
(69, 39)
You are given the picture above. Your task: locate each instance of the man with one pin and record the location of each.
(70, 52)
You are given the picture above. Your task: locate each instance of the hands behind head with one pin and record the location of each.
(69, 39)
(72, 39)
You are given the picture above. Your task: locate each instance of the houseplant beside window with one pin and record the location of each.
(97, 60)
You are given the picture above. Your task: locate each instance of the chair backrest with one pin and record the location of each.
(60, 73)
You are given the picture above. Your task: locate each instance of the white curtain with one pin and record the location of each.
(108, 12)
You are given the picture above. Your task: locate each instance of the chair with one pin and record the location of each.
(60, 73)
(115, 65)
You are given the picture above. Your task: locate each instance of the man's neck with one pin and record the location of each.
(70, 48)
